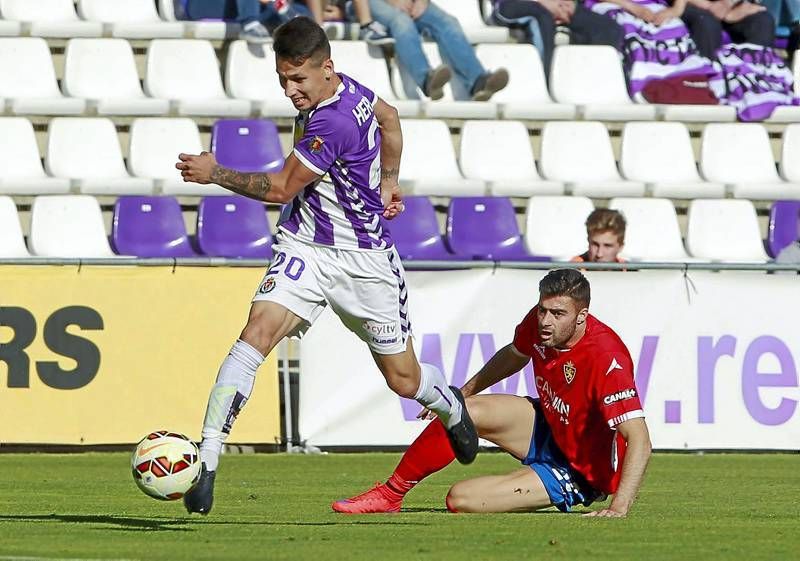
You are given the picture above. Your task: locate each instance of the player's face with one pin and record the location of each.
(604, 247)
(561, 321)
(306, 84)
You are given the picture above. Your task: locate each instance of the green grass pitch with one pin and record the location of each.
(86, 506)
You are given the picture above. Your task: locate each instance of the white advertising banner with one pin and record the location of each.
(715, 353)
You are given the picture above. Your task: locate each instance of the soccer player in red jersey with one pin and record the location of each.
(583, 439)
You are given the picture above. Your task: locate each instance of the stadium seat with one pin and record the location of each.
(580, 154)
(661, 155)
(739, 154)
(87, 151)
(131, 19)
(10, 28)
(233, 226)
(103, 71)
(652, 232)
(214, 30)
(698, 113)
(485, 228)
(250, 75)
(21, 164)
(784, 225)
(154, 147)
(500, 153)
(187, 71)
(12, 242)
(456, 103)
(247, 145)
(28, 79)
(526, 96)
(591, 76)
(368, 66)
(790, 153)
(469, 16)
(724, 230)
(556, 226)
(428, 166)
(416, 233)
(150, 227)
(50, 18)
(68, 226)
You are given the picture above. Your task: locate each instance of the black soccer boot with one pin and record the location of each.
(201, 496)
(463, 436)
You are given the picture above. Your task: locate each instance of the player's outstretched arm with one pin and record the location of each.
(278, 187)
(503, 364)
(391, 151)
(637, 455)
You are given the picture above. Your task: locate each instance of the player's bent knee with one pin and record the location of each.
(457, 500)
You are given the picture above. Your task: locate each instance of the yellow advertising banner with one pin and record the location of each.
(107, 354)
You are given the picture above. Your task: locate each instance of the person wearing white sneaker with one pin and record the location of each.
(371, 31)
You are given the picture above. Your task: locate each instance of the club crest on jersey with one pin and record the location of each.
(569, 372)
(315, 144)
(267, 286)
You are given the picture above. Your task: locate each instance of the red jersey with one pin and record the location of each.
(585, 392)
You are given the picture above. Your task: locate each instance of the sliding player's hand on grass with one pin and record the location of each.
(196, 168)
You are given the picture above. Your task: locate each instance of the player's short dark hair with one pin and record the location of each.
(566, 282)
(606, 220)
(300, 39)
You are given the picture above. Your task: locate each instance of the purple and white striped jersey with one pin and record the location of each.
(340, 141)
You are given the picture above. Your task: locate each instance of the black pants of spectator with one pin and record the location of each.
(586, 27)
(706, 30)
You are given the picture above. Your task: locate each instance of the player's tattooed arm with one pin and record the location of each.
(253, 185)
(389, 173)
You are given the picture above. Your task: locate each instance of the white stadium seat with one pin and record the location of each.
(21, 163)
(724, 230)
(250, 75)
(68, 226)
(652, 232)
(469, 16)
(739, 154)
(500, 153)
(50, 18)
(132, 19)
(154, 147)
(556, 226)
(456, 103)
(12, 242)
(28, 79)
(10, 28)
(104, 72)
(661, 155)
(790, 153)
(367, 65)
(685, 113)
(87, 151)
(428, 166)
(580, 154)
(591, 76)
(526, 96)
(187, 70)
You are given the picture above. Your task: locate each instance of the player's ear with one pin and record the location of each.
(582, 316)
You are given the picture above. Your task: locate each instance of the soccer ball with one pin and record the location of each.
(165, 465)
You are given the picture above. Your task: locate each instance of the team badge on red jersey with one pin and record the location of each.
(569, 372)
(315, 144)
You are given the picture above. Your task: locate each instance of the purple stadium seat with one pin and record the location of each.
(784, 225)
(150, 227)
(233, 226)
(486, 228)
(248, 145)
(416, 233)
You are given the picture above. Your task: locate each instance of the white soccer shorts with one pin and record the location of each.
(366, 289)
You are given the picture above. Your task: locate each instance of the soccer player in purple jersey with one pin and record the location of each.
(339, 186)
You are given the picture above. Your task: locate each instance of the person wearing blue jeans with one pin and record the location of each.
(407, 20)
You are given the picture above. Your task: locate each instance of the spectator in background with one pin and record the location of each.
(255, 16)
(745, 22)
(786, 13)
(407, 20)
(371, 31)
(538, 18)
(605, 231)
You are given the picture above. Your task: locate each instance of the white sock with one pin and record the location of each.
(436, 395)
(228, 396)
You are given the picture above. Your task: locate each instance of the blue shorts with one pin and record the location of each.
(564, 485)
